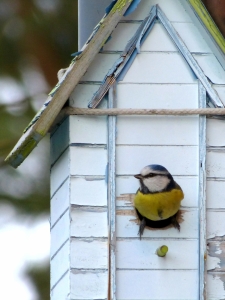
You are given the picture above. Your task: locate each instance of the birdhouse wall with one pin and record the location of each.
(159, 77)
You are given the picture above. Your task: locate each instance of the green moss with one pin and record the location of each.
(120, 5)
(24, 148)
(208, 22)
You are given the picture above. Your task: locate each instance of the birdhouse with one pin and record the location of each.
(153, 94)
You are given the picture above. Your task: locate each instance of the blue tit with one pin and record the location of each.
(157, 201)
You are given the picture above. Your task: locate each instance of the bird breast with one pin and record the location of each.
(158, 206)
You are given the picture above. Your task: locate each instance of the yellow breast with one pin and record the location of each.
(158, 206)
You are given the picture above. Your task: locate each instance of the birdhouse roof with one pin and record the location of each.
(45, 118)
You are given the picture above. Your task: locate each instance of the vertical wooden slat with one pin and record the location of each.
(202, 196)
(112, 196)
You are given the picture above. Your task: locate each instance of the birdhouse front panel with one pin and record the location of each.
(105, 249)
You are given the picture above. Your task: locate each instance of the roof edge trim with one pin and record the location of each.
(209, 23)
(57, 98)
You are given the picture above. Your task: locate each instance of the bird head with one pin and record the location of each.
(154, 178)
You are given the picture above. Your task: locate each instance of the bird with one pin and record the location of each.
(158, 199)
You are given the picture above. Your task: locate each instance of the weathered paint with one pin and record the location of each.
(119, 5)
(69, 80)
(112, 195)
(138, 273)
(202, 196)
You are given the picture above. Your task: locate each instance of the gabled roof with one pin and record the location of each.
(42, 122)
(121, 66)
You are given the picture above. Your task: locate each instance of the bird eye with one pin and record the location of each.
(149, 175)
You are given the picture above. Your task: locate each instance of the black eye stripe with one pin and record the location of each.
(153, 175)
(150, 175)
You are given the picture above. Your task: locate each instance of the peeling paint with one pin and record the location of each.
(219, 288)
(216, 250)
(126, 197)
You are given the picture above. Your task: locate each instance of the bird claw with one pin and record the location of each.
(142, 227)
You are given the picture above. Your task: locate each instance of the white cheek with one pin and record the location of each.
(156, 183)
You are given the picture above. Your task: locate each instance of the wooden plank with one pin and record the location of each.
(112, 195)
(120, 36)
(88, 160)
(60, 264)
(88, 129)
(100, 67)
(136, 254)
(60, 202)
(128, 185)
(160, 130)
(220, 91)
(214, 129)
(215, 193)
(88, 191)
(152, 96)
(202, 196)
(62, 289)
(140, 288)
(216, 285)
(59, 141)
(88, 285)
(137, 157)
(59, 172)
(127, 226)
(158, 40)
(89, 254)
(172, 8)
(82, 94)
(215, 163)
(189, 58)
(192, 37)
(159, 68)
(211, 68)
(58, 240)
(215, 224)
(216, 254)
(70, 79)
(87, 222)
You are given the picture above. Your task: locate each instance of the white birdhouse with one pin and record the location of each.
(160, 57)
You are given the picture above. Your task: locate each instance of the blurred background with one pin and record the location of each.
(37, 39)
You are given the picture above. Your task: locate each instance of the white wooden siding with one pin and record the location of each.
(157, 284)
(60, 172)
(143, 254)
(158, 78)
(100, 67)
(87, 222)
(158, 130)
(159, 68)
(89, 284)
(172, 8)
(62, 289)
(159, 39)
(215, 208)
(131, 160)
(89, 191)
(153, 95)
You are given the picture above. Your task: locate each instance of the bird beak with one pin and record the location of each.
(138, 176)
